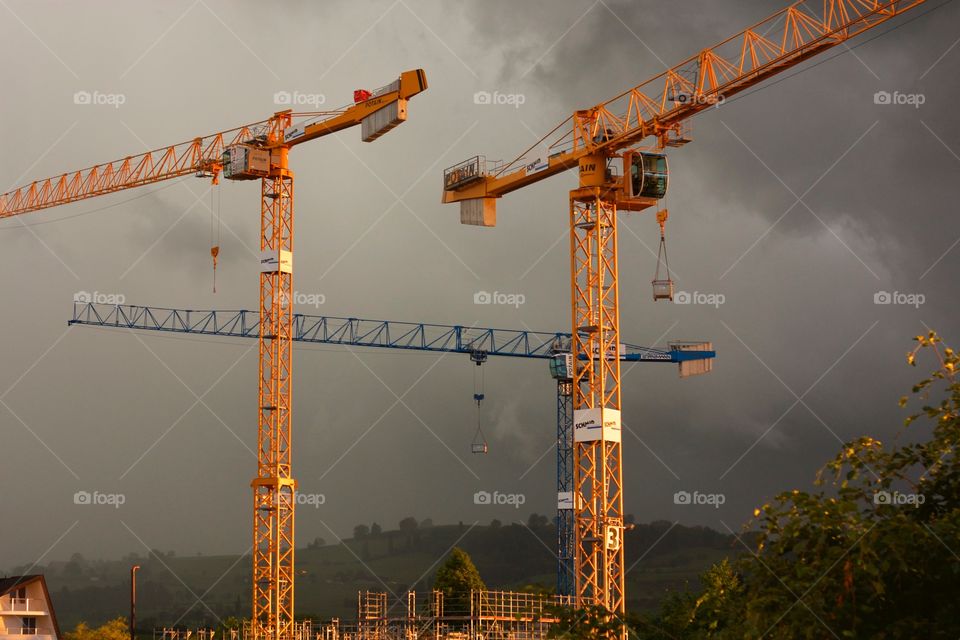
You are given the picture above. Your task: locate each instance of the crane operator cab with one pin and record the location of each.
(648, 175)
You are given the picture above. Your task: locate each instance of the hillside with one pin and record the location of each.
(509, 557)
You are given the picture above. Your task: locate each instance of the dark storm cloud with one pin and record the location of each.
(882, 214)
(799, 317)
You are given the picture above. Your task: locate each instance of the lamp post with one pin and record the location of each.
(133, 600)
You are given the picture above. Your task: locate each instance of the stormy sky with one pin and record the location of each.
(797, 203)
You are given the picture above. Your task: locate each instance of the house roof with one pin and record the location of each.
(10, 583)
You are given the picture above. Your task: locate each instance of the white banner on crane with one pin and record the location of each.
(590, 425)
(273, 261)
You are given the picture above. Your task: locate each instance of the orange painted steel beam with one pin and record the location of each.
(274, 488)
(658, 106)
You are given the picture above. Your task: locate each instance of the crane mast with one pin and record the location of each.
(593, 140)
(692, 358)
(274, 488)
(258, 151)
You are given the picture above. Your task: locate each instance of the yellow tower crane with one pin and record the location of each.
(592, 140)
(256, 151)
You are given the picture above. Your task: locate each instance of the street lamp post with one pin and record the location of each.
(133, 600)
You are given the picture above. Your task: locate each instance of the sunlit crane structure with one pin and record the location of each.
(654, 113)
(257, 151)
(692, 358)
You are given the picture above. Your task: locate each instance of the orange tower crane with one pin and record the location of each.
(256, 151)
(592, 139)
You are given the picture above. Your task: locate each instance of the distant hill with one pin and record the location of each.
(660, 557)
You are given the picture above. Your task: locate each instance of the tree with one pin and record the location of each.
(495, 524)
(230, 623)
(375, 530)
(536, 521)
(587, 623)
(117, 629)
(408, 525)
(456, 578)
(76, 565)
(869, 558)
(360, 532)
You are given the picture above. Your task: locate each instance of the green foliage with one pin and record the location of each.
(118, 629)
(228, 623)
(537, 521)
(456, 578)
(586, 623)
(871, 555)
(317, 543)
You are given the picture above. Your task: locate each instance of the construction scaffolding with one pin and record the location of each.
(491, 615)
(511, 615)
(487, 615)
(302, 630)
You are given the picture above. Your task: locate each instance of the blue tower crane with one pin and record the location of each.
(692, 358)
